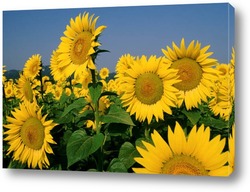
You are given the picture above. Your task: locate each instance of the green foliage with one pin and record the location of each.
(80, 146)
(117, 115)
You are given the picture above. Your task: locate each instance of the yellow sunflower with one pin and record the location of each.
(223, 70)
(149, 88)
(195, 70)
(9, 89)
(25, 89)
(32, 66)
(78, 45)
(192, 155)
(104, 73)
(124, 63)
(222, 103)
(56, 70)
(3, 72)
(28, 135)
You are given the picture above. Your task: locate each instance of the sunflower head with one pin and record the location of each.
(79, 44)
(192, 154)
(56, 70)
(147, 88)
(195, 69)
(104, 73)
(32, 66)
(28, 135)
(25, 89)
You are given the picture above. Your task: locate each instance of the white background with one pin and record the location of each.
(30, 180)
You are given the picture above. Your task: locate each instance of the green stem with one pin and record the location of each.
(93, 76)
(100, 159)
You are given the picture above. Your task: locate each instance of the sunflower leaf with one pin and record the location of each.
(127, 154)
(117, 115)
(80, 146)
(193, 116)
(77, 104)
(95, 91)
(116, 165)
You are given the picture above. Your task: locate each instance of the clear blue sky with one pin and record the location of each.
(136, 30)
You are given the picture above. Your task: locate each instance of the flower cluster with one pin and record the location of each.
(172, 114)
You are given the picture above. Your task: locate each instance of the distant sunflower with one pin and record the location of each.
(222, 103)
(9, 89)
(104, 73)
(32, 66)
(25, 89)
(3, 72)
(28, 135)
(149, 88)
(125, 62)
(78, 45)
(194, 155)
(223, 70)
(195, 70)
(56, 70)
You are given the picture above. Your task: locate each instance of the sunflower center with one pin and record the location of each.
(32, 133)
(27, 91)
(148, 88)
(81, 47)
(190, 73)
(183, 165)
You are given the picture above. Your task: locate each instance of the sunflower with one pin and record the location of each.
(195, 70)
(104, 73)
(192, 155)
(56, 71)
(32, 66)
(3, 72)
(124, 63)
(149, 88)
(9, 89)
(28, 135)
(222, 103)
(223, 70)
(78, 45)
(25, 89)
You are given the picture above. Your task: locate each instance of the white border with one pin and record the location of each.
(29, 180)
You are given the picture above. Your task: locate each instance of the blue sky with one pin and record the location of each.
(137, 30)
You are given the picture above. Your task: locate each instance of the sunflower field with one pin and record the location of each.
(172, 114)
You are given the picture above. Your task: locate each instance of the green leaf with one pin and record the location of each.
(215, 123)
(95, 91)
(117, 115)
(80, 146)
(127, 154)
(63, 98)
(77, 104)
(193, 116)
(117, 166)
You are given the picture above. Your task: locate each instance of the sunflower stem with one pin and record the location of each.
(100, 159)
